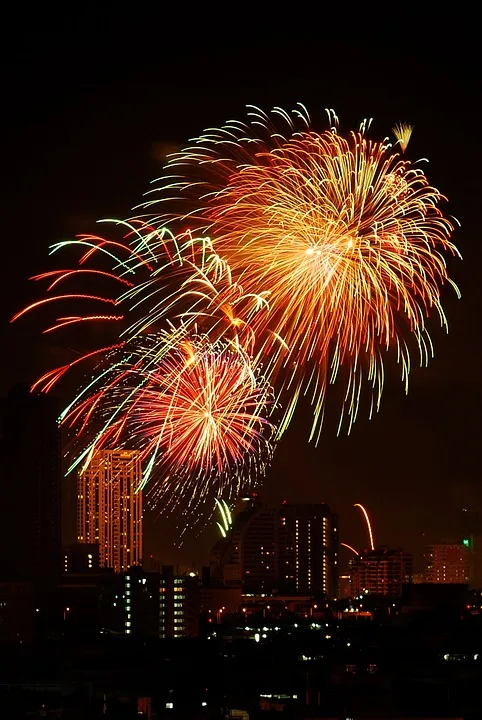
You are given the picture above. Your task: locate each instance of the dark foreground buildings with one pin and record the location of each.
(30, 502)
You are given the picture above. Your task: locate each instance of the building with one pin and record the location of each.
(380, 572)
(470, 535)
(447, 564)
(109, 507)
(179, 604)
(344, 587)
(134, 604)
(82, 558)
(30, 488)
(291, 549)
(81, 597)
(308, 550)
(142, 604)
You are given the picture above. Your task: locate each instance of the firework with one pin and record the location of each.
(198, 412)
(368, 524)
(283, 258)
(403, 133)
(342, 239)
(196, 406)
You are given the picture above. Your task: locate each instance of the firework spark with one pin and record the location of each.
(198, 412)
(342, 239)
(403, 133)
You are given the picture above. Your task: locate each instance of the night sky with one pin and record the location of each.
(92, 100)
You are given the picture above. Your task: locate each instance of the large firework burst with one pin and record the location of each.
(341, 236)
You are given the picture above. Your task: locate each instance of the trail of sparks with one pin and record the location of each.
(369, 527)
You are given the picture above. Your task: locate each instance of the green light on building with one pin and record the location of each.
(466, 542)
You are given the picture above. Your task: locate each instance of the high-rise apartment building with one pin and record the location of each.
(380, 572)
(308, 549)
(144, 604)
(109, 507)
(179, 604)
(30, 488)
(291, 549)
(447, 564)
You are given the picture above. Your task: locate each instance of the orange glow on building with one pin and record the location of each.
(446, 563)
(109, 507)
(380, 572)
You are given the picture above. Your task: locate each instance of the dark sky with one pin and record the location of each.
(92, 97)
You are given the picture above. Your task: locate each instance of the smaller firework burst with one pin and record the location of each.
(199, 412)
(403, 133)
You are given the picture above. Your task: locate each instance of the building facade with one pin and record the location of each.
(447, 564)
(82, 557)
(179, 604)
(144, 604)
(308, 550)
(291, 549)
(380, 572)
(109, 507)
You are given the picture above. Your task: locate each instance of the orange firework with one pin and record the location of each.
(205, 410)
(198, 412)
(368, 523)
(341, 237)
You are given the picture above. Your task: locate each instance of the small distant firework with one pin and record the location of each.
(403, 133)
(226, 519)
